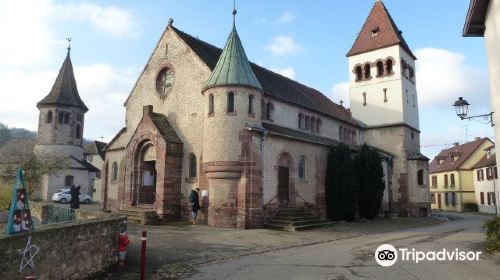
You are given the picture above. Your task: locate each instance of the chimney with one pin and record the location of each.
(456, 144)
(147, 110)
(477, 138)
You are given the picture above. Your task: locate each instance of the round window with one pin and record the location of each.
(165, 81)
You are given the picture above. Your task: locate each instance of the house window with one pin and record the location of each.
(447, 198)
(114, 171)
(49, 117)
(313, 124)
(269, 111)
(433, 198)
(66, 118)
(250, 104)
(308, 123)
(368, 74)
(359, 73)
(489, 176)
(453, 198)
(60, 118)
(302, 167)
(210, 104)
(482, 174)
(230, 102)
(318, 126)
(301, 121)
(380, 69)
(389, 66)
(491, 198)
(478, 174)
(452, 179)
(364, 98)
(434, 181)
(192, 166)
(446, 180)
(481, 196)
(420, 177)
(69, 180)
(78, 132)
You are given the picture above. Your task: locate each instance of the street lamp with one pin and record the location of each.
(462, 107)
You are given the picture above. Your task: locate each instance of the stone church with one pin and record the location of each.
(251, 139)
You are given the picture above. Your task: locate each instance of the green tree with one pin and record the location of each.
(5, 134)
(340, 184)
(370, 182)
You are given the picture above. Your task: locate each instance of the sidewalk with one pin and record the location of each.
(175, 249)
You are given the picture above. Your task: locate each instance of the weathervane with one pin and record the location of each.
(69, 43)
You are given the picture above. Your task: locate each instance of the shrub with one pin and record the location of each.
(5, 196)
(370, 182)
(340, 185)
(492, 232)
(470, 207)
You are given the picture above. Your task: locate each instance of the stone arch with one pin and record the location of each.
(143, 188)
(285, 172)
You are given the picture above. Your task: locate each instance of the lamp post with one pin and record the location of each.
(462, 108)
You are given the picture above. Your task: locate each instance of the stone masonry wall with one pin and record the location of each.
(69, 250)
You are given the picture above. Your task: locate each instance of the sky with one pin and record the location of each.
(302, 39)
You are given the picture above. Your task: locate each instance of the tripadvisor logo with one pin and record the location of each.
(387, 255)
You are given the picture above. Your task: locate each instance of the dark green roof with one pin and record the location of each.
(233, 68)
(64, 91)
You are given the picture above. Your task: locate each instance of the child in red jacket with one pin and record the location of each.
(123, 242)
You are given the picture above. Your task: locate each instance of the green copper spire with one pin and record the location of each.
(233, 68)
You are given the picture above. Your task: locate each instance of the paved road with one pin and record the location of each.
(354, 258)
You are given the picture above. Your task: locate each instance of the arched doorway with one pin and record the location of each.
(146, 169)
(285, 184)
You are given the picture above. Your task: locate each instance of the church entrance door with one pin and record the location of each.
(283, 185)
(148, 187)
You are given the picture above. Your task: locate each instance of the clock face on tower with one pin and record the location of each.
(165, 81)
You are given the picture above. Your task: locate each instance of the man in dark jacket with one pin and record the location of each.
(75, 197)
(195, 203)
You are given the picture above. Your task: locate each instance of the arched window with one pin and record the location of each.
(78, 132)
(66, 118)
(49, 117)
(69, 180)
(302, 167)
(192, 166)
(250, 104)
(380, 69)
(313, 124)
(359, 73)
(308, 123)
(230, 102)
(114, 171)
(60, 117)
(318, 126)
(420, 177)
(368, 74)
(301, 120)
(389, 66)
(269, 111)
(210, 104)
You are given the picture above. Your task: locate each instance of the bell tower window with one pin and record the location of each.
(250, 104)
(368, 74)
(359, 73)
(230, 102)
(389, 66)
(380, 69)
(49, 117)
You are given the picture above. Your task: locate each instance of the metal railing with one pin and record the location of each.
(268, 208)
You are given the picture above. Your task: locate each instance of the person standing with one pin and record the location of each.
(75, 197)
(194, 198)
(123, 242)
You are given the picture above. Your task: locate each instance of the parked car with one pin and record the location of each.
(64, 196)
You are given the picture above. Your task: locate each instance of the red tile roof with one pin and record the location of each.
(379, 31)
(463, 152)
(486, 161)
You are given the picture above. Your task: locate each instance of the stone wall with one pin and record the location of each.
(70, 250)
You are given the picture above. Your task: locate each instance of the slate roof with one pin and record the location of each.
(64, 91)
(87, 165)
(233, 68)
(165, 129)
(17, 150)
(273, 84)
(486, 161)
(379, 31)
(463, 152)
(96, 147)
(417, 156)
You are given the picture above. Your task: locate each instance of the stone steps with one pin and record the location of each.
(133, 215)
(291, 219)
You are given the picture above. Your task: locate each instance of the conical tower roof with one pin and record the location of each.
(379, 31)
(233, 68)
(64, 91)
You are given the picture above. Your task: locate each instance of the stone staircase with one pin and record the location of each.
(292, 219)
(134, 214)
